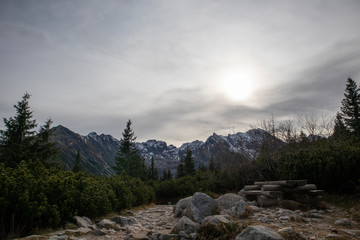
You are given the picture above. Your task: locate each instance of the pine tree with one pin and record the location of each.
(350, 109)
(77, 167)
(340, 129)
(20, 141)
(128, 159)
(153, 173)
(189, 166)
(180, 170)
(212, 164)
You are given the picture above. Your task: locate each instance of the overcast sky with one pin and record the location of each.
(180, 70)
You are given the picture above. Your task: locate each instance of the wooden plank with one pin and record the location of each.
(304, 188)
(252, 192)
(288, 183)
(252, 187)
(272, 188)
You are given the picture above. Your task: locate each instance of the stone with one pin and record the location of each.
(77, 232)
(185, 224)
(217, 219)
(239, 209)
(56, 237)
(332, 236)
(99, 232)
(161, 236)
(265, 201)
(124, 221)
(181, 206)
(201, 206)
(288, 230)
(284, 219)
(82, 221)
(258, 233)
(106, 223)
(343, 222)
(35, 237)
(228, 200)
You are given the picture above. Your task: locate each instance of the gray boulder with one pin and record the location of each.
(201, 206)
(258, 233)
(239, 209)
(106, 223)
(185, 224)
(124, 221)
(217, 219)
(181, 206)
(228, 200)
(343, 222)
(83, 222)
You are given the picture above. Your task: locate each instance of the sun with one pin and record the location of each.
(237, 86)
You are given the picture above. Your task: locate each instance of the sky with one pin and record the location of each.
(179, 69)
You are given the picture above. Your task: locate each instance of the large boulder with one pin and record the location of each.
(201, 206)
(239, 209)
(258, 233)
(124, 221)
(83, 222)
(185, 224)
(181, 206)
(217, 219)
(228, 200)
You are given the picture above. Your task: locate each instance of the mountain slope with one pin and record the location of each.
(98, 151)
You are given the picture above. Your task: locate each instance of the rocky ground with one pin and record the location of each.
(158, 221)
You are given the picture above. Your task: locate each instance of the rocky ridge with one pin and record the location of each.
(98, 151)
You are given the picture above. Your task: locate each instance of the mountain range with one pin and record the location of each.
(98, 151)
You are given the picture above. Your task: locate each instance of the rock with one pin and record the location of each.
(181, 206)
(35, 237)
(56, 237)
(217, 219)
(124, 221)
(77, 232)
(83, 221)
(239, 209)
(333, 236)
(288, 230)
(106, 223)
(201, 206)
(99, 232)
(343, 222)
(258, 233)
(229, 200)
(161, 236)
(185, 224)
(284, 219)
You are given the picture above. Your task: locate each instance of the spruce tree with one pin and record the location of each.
(189, 166)
(128, 159)
(153, 173)
(180, 170)
(340, 129)
(212, 164)
(77, 167)
(19, 141)
(350, 109)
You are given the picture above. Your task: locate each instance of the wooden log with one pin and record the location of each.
(252, 192)
(287, 183)
(265, 201)
(274, 194)
(252, 187)
(304, 188)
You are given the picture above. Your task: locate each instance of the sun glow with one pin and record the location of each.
(237, 86)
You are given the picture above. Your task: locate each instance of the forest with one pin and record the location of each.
(37, 194)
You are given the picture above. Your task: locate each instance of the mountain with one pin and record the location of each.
(98, 151)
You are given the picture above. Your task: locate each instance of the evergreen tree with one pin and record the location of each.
(180, 170)
(189, 166)
(340, 129)
(128, 159)
(77, 167)
(169, 176)
(350, 109)
(153, 172)
(212, 164)
(19, 141)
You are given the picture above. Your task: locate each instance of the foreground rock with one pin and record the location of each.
(258, 233)
(228, 200)
(187, 225)
(201, 206)
(181, 205)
